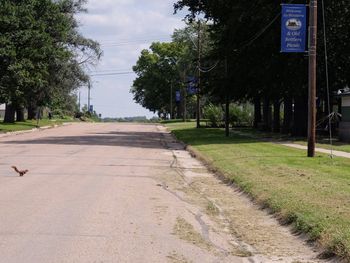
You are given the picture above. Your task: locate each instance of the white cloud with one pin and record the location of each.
(124, 28)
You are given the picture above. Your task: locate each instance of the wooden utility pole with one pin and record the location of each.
(184, 97)
(89, 95)
(171, 100)
(227, 102)
(79, 101)
(312, 78)
(199, 75)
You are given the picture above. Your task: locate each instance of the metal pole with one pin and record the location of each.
(79, 100)
(312, 78)
(89, 89)
(199, 76)
(184, 97)
(171, 100)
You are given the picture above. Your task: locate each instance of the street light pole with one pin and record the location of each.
(227, 102)
(184, 97)
(89, 95)
(79, 100)
(199, 76)
(171, 100)
(312, 78)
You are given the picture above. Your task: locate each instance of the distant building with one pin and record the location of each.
(2, 111)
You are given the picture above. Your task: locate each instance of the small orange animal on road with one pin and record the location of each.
(20, 172)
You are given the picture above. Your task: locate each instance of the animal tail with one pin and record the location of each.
(15, 168)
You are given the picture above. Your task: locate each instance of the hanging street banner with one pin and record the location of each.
(178, 96)
(192, 85)
(293, 28)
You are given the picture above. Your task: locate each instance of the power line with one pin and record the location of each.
(206, 70)
(327, 77)
(109, 70)
(134, 42)
(139, 38)
(260, 32)
(112, 74)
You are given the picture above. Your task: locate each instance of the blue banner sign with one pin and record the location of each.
(293, 28)
(192, 85)
(178, 96)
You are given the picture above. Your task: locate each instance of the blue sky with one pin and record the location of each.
(124, 28)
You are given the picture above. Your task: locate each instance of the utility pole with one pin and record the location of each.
(227, 110)
(89, 97)
(184, 97)
(312, 78)
(171, 100)
(79, 100)
(199, 75)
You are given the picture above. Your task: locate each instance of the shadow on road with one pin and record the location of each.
(122, 139)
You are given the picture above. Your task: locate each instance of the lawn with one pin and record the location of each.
(28, 125)
(322, 141)
(313, 194)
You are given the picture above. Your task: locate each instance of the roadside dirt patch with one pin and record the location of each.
(175, 257)
(250, 232)
(185, 231)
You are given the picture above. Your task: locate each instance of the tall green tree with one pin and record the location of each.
(39, 43)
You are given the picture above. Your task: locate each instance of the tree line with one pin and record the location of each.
(243, 44)
(43, 56)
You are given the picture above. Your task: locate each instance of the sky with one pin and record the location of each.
(123, 28)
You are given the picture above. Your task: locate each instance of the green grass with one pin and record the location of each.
(322, 142)
(28, 125)
(311, 193)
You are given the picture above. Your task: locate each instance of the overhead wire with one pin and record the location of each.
(260, 32)
(207, 70)
(135, 42)
(109, 70)
(327, 78)
(112, 74)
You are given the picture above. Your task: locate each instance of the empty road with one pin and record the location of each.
(126, 193)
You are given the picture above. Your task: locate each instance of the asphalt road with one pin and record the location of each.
(126, 193)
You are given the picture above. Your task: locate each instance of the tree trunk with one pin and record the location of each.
(276, 116)
(19, 114)
(288, 115)
(227, 117)
(32, 111)
(178, 111)
(9, 114)
(300, 117)
(267, 115)
(257, 112)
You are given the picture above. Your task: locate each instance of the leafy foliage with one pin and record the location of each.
(214, 114)
(41, 52)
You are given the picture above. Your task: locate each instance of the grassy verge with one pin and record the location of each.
(337, 146)
(28, 125)
(322, 142)
(312, 194)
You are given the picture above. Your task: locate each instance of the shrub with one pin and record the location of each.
(241, 115)
(214, 114)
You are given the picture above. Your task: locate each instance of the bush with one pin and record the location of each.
(214, 114)
(241, 115)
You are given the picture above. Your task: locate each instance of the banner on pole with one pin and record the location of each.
(178, 96)
(192, 85)
(293, 28)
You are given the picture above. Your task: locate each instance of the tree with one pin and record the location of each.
(248, 35)
(42, 53)
(165, 68)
